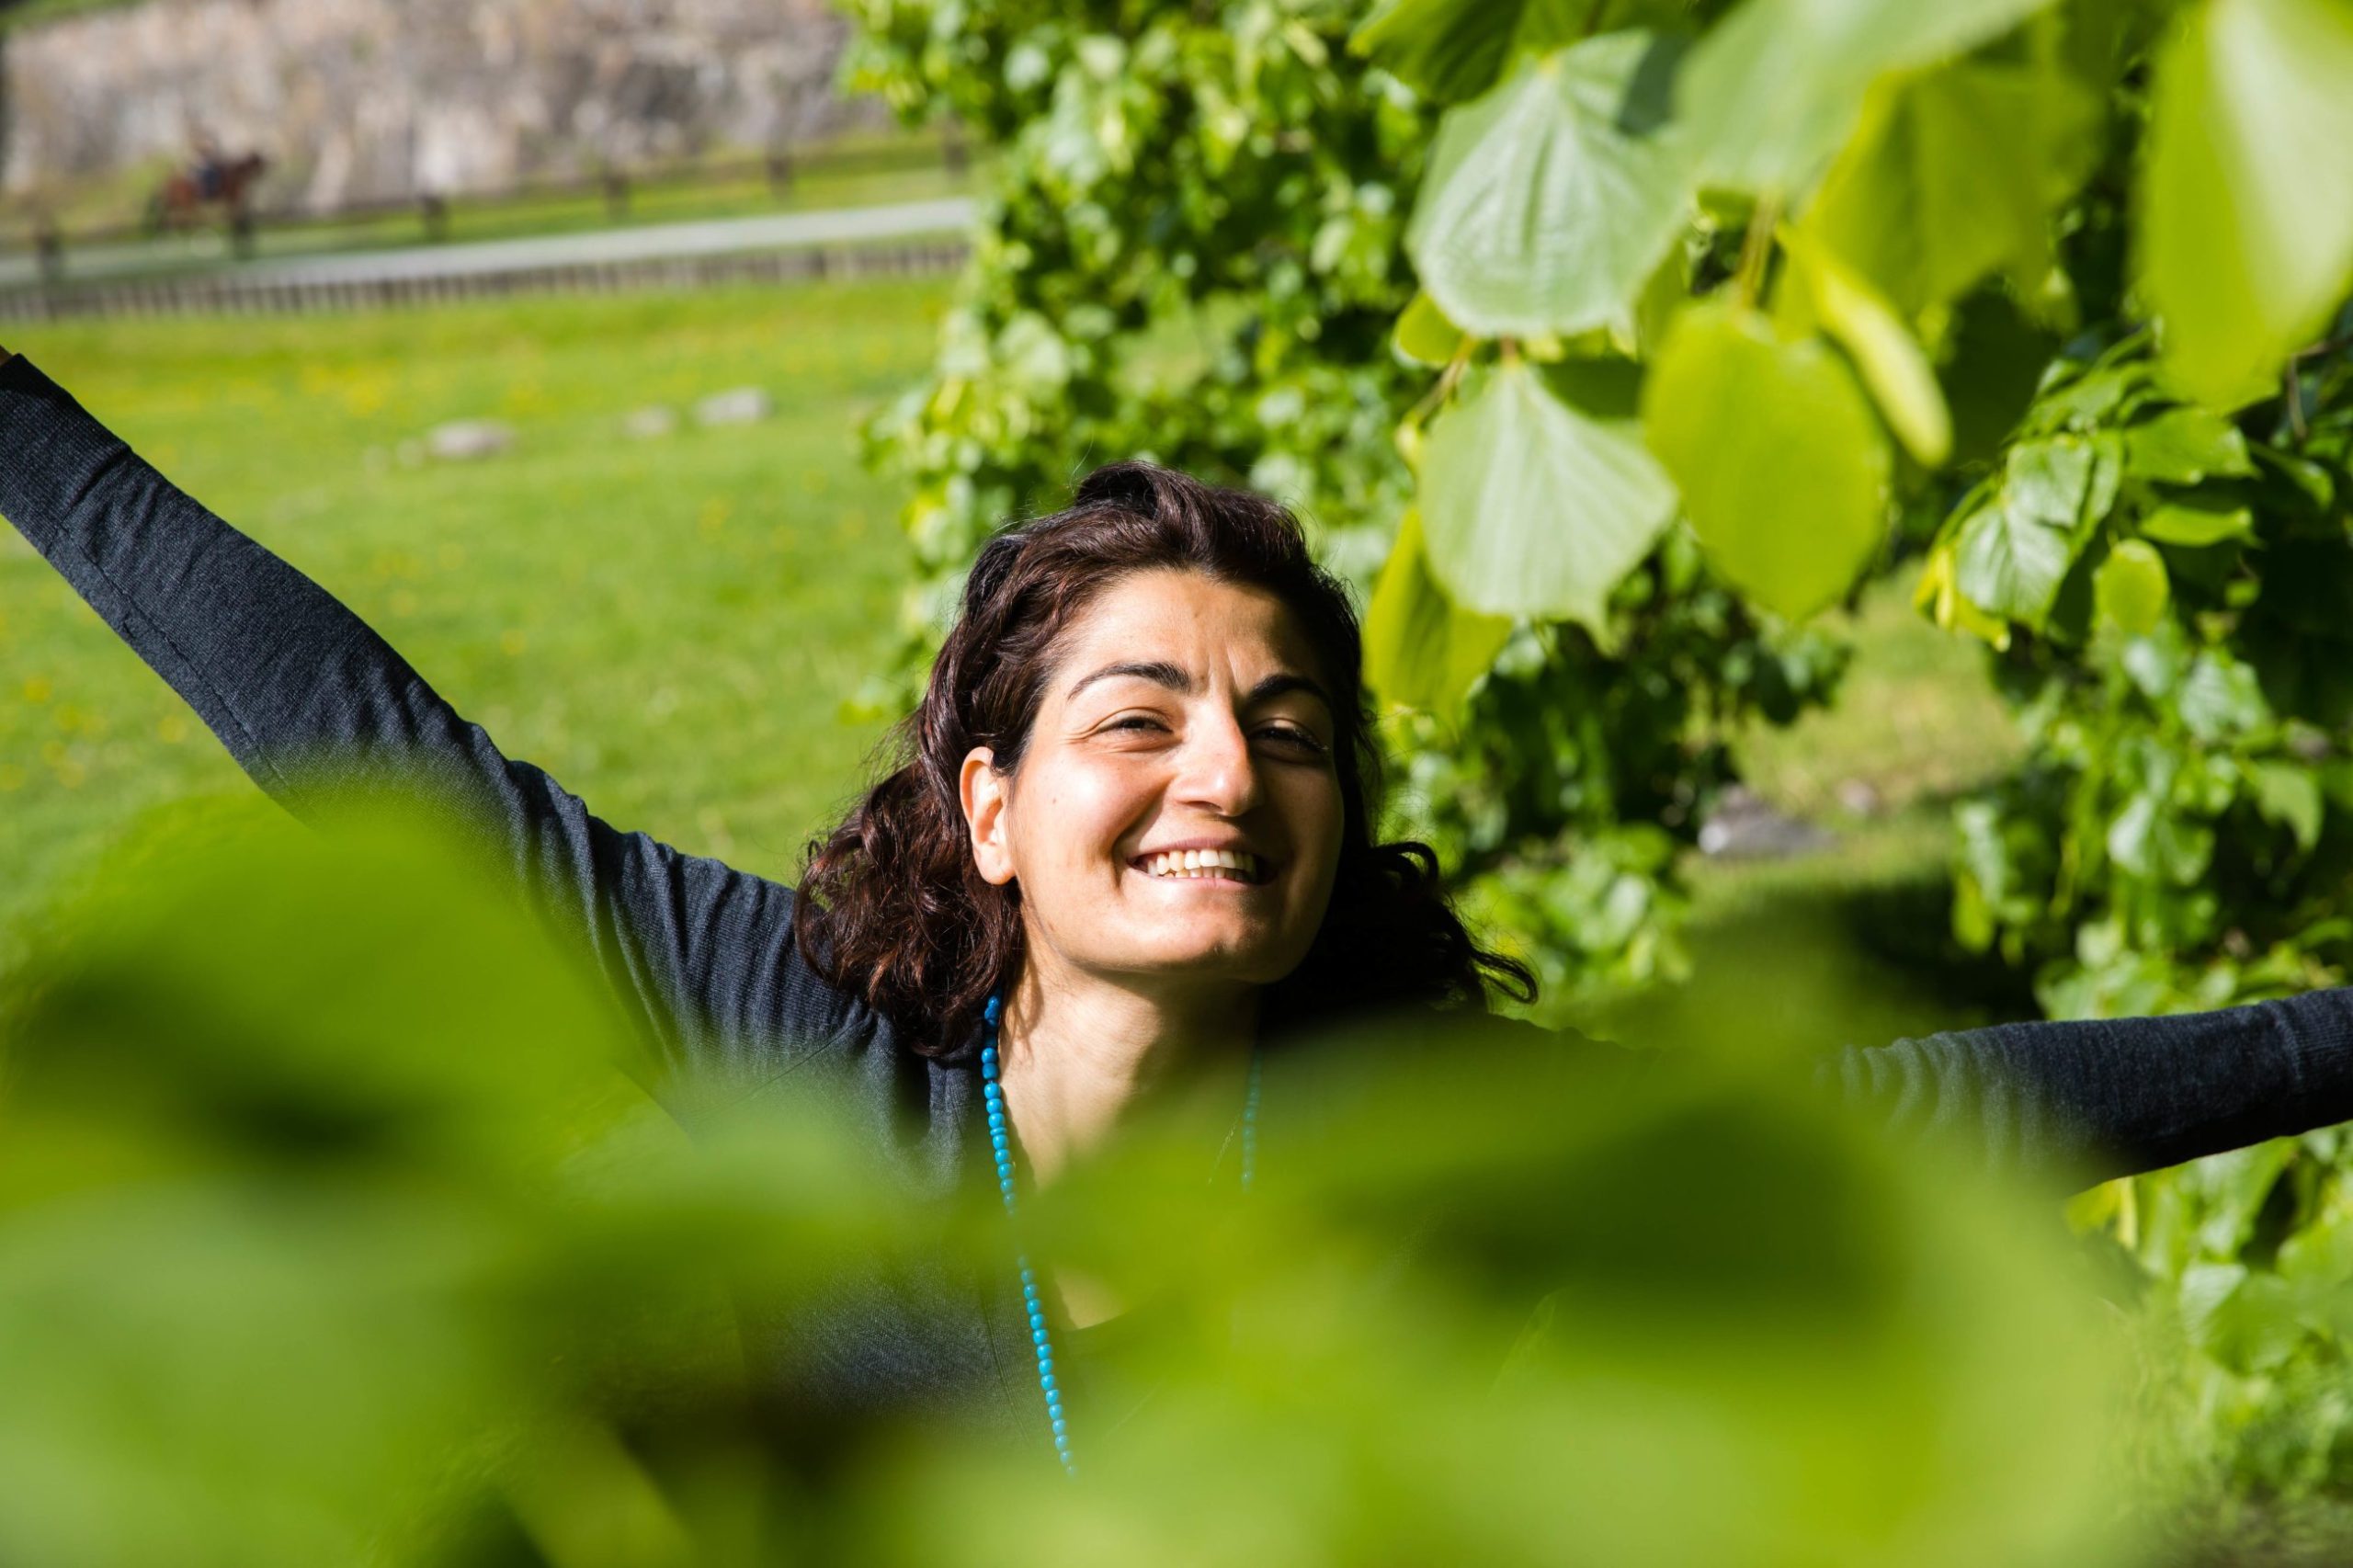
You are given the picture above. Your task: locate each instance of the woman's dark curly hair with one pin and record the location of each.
(892, 905)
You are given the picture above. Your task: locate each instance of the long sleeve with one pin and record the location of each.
(291, 681)
(2107, 1097)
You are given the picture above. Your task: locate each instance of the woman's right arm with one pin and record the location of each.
(299, 688)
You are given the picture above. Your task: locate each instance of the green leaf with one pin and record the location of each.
(1782, 468)
(1891, 360)
(2051, 480)
(2187, 446)
(1419, 649)
(2108, 476)
(2011, 562)
(2289, 794)
(2131, 588)
(2220, 697)
(1533, 507)
(1953, 175)
(2245, 198)
(2195, 523)
(2015, 552)
(1775, 88)
(2149, 841)
(1549, 201)
(1451, 50)
(1424, 334)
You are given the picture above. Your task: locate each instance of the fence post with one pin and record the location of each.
(435, 207)
(780, 174)
(49, 246)
(616, 186)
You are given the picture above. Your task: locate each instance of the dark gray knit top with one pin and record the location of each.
(703, 955)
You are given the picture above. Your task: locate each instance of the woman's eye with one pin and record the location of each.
(1136, 722)
(1298, 736)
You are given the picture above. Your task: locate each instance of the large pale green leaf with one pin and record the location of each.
(1782, 467)
(1891, 361)
(1531, 506)
(1952, 174)
(1420, 649)
(1549, 201)
(2245, 240)
(1774, 90)
(1451, 50)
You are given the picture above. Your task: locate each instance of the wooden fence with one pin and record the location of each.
(439, 215)
(224, 294)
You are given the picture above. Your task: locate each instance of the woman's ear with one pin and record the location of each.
(983, 790)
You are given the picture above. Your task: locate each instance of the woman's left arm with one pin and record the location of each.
(2111, 1096)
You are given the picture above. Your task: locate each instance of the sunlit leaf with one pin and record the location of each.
(1424, 336)
(1549, 201)
(1420, 649)
(2013, 552)
(2245, 234)
(1891, 361)
(1454, 50)
(2131, 588)
(1782, 468)
(1774, 90)
(2289, 794)
(2193, 522)
(1532, 507)
(1953, 175)
(2188, 446)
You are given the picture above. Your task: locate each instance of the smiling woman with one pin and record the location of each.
(1129, 853)
(1159, 670)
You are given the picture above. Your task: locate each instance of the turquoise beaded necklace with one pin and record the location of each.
(1001, 1141)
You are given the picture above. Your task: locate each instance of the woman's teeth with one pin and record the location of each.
(1204, 863)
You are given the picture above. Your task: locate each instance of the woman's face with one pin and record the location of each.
(1180, 714)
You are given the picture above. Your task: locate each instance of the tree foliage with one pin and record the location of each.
(2146, 208)
(1683, 316)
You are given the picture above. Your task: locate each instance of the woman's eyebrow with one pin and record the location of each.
(1160, 672)
(1277, 685)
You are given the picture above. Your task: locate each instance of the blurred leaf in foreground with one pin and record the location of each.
(2247, 195)
(329, 1232)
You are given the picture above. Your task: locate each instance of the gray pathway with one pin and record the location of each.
(483, 258)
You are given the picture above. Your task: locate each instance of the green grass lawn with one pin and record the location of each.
(669, 626)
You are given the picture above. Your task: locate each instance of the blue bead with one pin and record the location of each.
(1037, 1338)
(1052, 1388)
(1046, 1366)
(1062, 1427)
(995, 1010)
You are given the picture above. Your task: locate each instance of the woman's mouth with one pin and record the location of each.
(1235, 865)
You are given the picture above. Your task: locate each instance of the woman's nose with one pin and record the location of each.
(1217, 770)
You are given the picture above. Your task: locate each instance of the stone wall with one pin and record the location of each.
(357, 100)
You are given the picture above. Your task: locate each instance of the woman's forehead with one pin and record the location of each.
(1188, 622)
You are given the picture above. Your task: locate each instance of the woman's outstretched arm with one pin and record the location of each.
(298, 688)
(2107, 1097)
